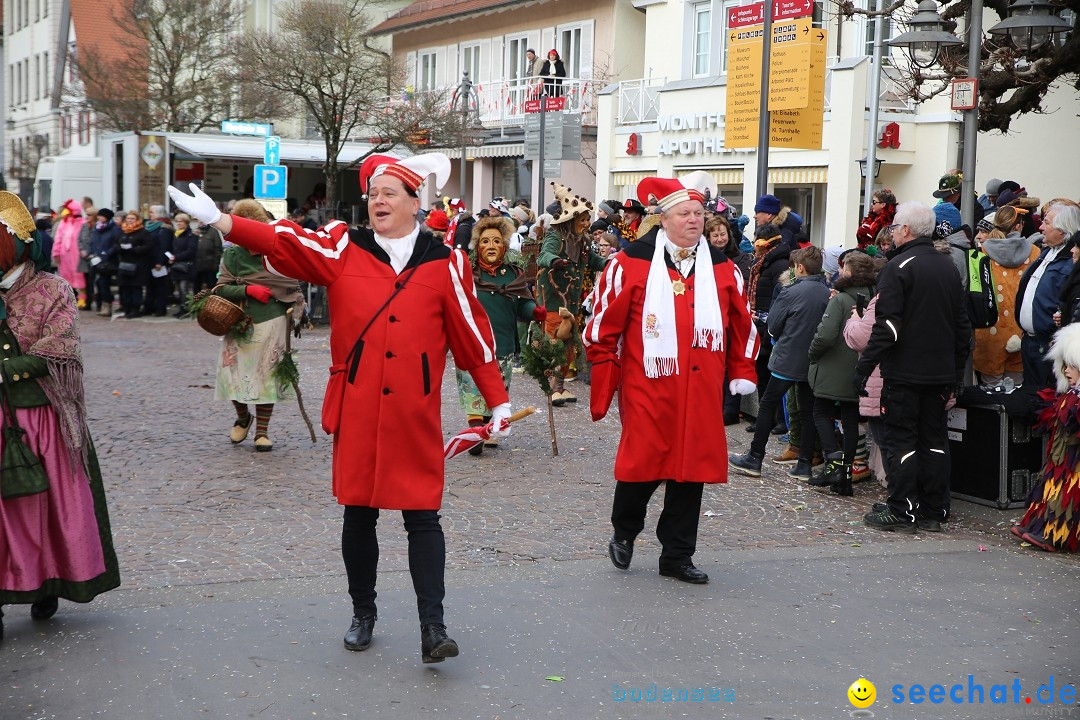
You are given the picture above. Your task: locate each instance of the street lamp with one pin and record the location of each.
(926, 37)
(1030, 25)
(863, 164)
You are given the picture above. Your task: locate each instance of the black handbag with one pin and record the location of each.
(127, 268)
(21, 471)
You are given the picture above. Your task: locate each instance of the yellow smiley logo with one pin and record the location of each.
(862, 693)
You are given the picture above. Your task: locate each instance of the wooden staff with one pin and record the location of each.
(295, 384)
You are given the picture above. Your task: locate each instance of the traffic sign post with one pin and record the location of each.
(272, 150)
(789, 70)
(271, 182)
(802, 127)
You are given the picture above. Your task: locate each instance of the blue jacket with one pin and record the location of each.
(106, 241)
(793, 320)
(1047, 297)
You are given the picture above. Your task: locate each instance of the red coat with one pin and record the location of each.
(388, 442)
(672, 426)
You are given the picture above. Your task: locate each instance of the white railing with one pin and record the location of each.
(639, 101)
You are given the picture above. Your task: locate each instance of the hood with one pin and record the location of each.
(1008, 251)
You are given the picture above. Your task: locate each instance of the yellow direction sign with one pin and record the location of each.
(801, 127)
(744, 86)
(789, 65)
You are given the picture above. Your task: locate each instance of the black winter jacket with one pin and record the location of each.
(773, 266)
(922, 333)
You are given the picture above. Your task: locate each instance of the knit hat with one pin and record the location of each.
(993, 186)
(768, 204)
(437, 220)
(598, 225)
(1009, 185)
(570, 205)
(984, 225)
(1005, 197)
(947, 212)
(947, 185)
(671, 191)
(105, 213)
(411, 171)
(610, 209)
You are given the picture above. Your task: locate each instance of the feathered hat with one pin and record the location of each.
(570, 205)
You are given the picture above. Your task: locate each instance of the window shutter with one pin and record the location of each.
(453, 65)
(410, 70)
(443, 72)
(491, 60)
(547, 42)
(587, 50)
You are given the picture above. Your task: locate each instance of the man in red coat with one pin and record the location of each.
(670, 321)
(398, 298)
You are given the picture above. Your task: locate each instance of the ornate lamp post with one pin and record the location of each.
(1031, 25)
(927, 35)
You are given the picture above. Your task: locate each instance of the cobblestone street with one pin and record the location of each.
(188, 507)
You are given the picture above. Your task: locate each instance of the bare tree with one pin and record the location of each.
(1009, 84)
(323, 61)
(175, 71)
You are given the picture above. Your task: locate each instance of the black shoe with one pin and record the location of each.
(731, 419)
(834, 463)
(802, 470)
(435, 646)
(160, 314)
(778, 429)
(620, 552)
(748, 464)
(887, 520)
(44, 609)
(929, 525)
(687, 573)
(842, 484)
(751, 428)
(359, 635)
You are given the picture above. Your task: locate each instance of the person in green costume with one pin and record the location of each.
(503, 290)
(55, 538)
(246, 363)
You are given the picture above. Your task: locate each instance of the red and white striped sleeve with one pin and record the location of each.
(611, 308)
(468, 331)
(316, 256)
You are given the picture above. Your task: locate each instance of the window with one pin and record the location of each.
(722, 46)
(84, 127)
(702, 38)
(65, 131)
(37, 77)
(45, 8)
(570, 50)
(470, 61)
(426, 72)
(45, 73)
(868, 35)
(515, 58)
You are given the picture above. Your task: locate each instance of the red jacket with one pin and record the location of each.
(388, 442)
(872, 225)
(672, 426)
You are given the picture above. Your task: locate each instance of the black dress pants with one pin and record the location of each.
(678, 524)
(916, 450)
(427, 559)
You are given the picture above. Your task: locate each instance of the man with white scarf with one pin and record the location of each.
(670, 321)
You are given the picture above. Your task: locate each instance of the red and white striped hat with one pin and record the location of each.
(412, 171)
(671, 191)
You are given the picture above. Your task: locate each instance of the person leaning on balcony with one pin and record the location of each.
(553, 72)
(533, 64)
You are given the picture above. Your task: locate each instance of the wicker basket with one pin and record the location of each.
(218, 315)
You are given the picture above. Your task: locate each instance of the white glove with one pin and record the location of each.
(198, 204)
(741, 387)
(125, 246)
(499, 420)
(1012, 344)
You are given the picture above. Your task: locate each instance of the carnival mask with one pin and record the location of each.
(491, 247)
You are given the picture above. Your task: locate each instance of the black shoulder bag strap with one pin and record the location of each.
(353, 360)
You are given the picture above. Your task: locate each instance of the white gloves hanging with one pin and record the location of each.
(741, 387)
(198, 205)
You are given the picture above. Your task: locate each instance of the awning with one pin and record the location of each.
(235, 147)
(486, 151)
(727, 176)
(624, 179)
(799, 175)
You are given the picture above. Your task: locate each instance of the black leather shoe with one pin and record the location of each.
(44, 609)
(686, 573)
(435, 646)
(359, 635)
(620, 552)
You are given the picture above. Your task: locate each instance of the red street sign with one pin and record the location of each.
(754, 14)
(553, 104)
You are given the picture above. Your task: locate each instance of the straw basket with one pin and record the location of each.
(218, 315)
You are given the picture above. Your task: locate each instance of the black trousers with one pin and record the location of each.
(427, 559)
(824, 412)
(916, 450)
(770, 401)
(678, 524)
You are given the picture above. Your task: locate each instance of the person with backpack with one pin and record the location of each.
(997, 348)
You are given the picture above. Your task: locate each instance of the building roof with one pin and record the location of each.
(424, 13)
(101, 28)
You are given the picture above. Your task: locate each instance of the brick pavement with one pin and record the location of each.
(189, 508)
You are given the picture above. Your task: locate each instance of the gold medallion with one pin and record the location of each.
(678, 287)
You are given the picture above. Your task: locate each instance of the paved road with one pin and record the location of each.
(233, 600)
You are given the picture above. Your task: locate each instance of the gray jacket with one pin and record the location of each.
(793, 321)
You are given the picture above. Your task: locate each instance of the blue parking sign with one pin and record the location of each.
(271, 181)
